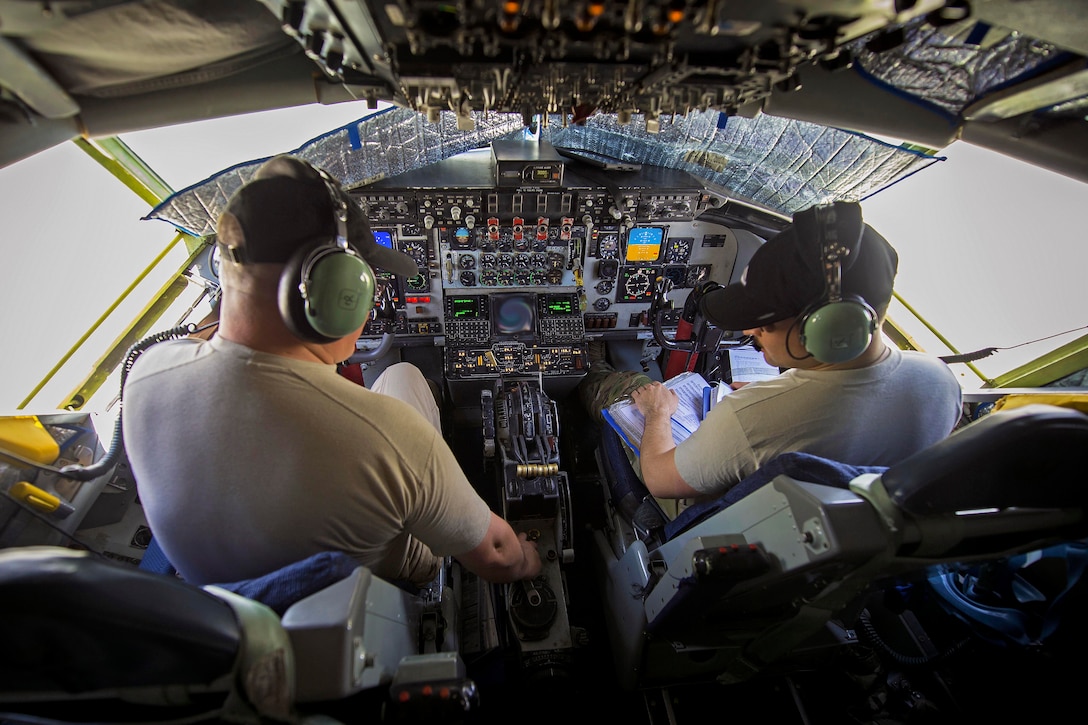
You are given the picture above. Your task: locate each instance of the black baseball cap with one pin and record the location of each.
(785, 275)
(288, 204)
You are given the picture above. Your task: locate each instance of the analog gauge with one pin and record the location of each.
(601, 304)
(468, 278)
(418, 282)
(506, 240)
(506, 277)
(540, 261)
(697, 273)
(677, 275)
(522, 245)
(604, 287)
(487, 261)
(556, 260)
(607, 245)
(637, 285)
(522, 277)
(489, 278)
(678, 249)
(461, 238)
(538, 277)
(522, 261)
(466, 261)
(416, 251)
(539, 245)
(505, 260)
(555, 276)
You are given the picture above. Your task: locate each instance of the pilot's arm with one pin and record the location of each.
(502, 556)
(657, 456)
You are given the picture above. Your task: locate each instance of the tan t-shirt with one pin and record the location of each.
(246, 462)
(872, 416)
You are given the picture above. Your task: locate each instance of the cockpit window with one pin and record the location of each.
(779, 164)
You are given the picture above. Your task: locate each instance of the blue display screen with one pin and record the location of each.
(384, 238)
(644, 244)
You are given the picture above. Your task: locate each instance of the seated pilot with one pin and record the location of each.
(251, 452)
(873, 409)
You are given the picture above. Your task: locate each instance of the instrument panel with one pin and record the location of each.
(514, 278)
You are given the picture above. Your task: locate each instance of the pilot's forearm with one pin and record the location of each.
(503, 556)
(656, 457)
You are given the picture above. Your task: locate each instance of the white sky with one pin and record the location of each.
(989, 248)
(73, 239)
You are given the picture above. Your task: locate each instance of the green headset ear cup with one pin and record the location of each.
(339, 293)
(838, 332)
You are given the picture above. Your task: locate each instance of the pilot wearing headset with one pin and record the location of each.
(812, 298)
(251, 452)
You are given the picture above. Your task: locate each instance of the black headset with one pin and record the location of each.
(326, 290)
(835, 328)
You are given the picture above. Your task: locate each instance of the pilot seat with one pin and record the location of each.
(779, 573)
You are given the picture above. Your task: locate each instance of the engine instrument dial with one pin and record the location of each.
(678, 249)
(415, 250)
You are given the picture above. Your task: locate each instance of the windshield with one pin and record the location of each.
(987, 258)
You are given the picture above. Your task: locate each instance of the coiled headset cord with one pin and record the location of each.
(101, 466)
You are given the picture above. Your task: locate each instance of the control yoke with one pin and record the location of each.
(694, 333)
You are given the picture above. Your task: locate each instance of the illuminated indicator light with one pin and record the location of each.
(676, 15)
(403, 696)
(511, 8)
(444, 693)
(428, 690)
(595, 9)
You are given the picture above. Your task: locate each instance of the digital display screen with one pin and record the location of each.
(464, 308)
(558, 305)
(383, 238)
(644, 244)
(513, 316)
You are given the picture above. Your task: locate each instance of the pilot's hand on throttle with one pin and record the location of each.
(532, 556)
(655, 398)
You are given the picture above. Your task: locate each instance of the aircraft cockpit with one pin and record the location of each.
(566, 175)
